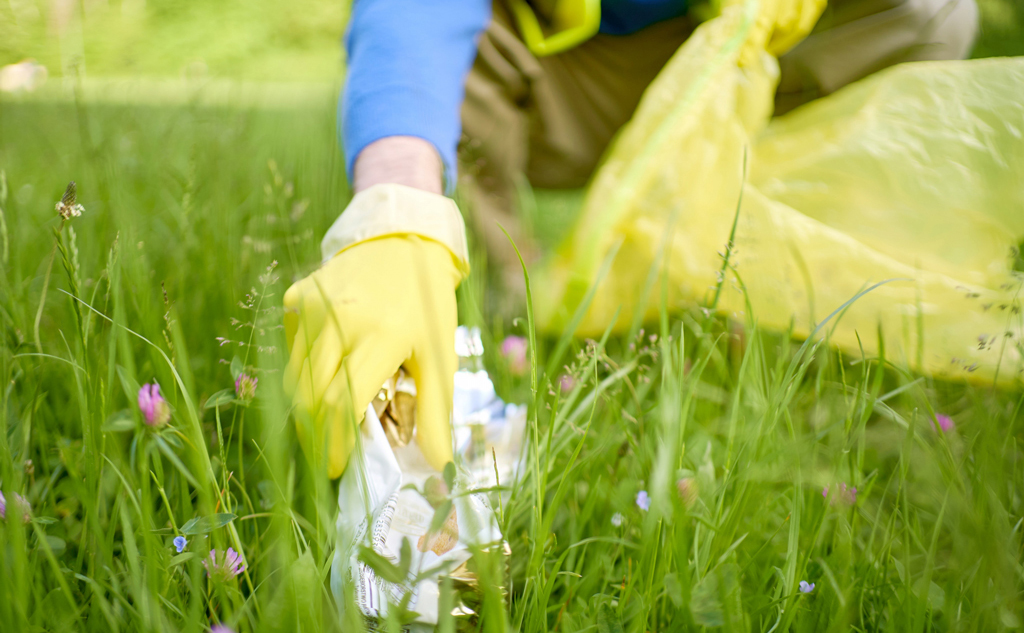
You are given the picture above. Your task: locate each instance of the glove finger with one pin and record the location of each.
(314, 374)
(433, 367)
(291, 313)
(306, 316)
(360, 377)
(297, 359)
(325, 359)
(434, 384)
(305, 305)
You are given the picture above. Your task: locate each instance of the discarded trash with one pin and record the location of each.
(418, 522)
(488, 432)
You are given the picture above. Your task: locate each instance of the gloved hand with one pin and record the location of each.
(377, 305)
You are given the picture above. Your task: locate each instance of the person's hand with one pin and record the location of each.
(377, 305)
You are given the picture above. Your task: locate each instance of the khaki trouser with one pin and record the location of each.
(549, 119)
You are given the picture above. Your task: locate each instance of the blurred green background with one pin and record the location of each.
(250, 39)
(260, 40)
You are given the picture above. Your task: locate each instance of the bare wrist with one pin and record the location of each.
(403, 160)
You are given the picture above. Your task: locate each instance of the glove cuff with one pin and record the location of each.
(391, 209)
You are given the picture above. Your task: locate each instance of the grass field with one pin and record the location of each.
(200, 211)
(258, 40)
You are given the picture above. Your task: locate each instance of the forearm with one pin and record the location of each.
(403, 160)
(407, 67)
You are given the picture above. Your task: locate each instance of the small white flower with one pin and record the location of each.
(68, 206)
(68, 211)
(617, 519)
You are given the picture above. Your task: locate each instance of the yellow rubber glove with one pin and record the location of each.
(377, 305)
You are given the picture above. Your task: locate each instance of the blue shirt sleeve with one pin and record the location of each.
(407, 67)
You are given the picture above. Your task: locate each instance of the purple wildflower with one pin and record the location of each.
(153, 406)
(227, 568)
(945, 422)
(566, 383)
(180, 543)
(20, 503)
(643, 501)
(245, 386)
(806, 587)
(687, 489)
(847, 495)
(514, 348)
(220, 628)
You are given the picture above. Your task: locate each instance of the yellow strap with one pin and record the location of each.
(572, 23)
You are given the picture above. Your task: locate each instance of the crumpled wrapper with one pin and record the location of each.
(389, 494)
(488, 432)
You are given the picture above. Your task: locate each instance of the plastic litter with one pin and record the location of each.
(389, 494)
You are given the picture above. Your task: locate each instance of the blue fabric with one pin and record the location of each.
(621, 17)
(407, 67)
(408, 61)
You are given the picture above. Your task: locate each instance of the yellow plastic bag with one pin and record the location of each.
(911, 175)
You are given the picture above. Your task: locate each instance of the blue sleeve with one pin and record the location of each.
(407, 67)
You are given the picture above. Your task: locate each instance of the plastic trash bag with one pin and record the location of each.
(911, 175)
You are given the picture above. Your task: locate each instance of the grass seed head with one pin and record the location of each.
(68, 206)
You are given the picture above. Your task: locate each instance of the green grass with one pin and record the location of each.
(189, 201)
(238, 39)
(188, 206)
(259, 40)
